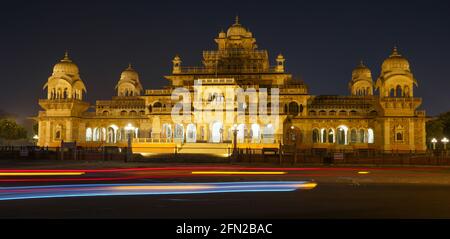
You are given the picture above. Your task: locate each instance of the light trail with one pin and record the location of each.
(44, 173)
(235, 168)
(363, 172)
(92, 190)
(237, 173)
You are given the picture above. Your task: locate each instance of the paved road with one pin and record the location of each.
(340, 193)
(325, 201)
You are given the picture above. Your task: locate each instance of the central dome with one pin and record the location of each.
(237, 29)
(66, 66)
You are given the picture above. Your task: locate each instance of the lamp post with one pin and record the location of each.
(293, 138)
(445, 141)
(35, 139)
(434, 141)
(235, 130)
(129, 128)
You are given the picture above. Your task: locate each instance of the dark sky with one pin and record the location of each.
(321, 40)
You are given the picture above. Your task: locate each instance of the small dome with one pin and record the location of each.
(129, 74)
(361, 72)
(237, 30)
(222, 34)
(66, 66)
(395, 62)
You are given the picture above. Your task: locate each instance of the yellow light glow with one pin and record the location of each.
(156, 187)
(44, 174)
(307, 185)
(238, 172)
(363, 172)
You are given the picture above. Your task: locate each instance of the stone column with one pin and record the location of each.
(412, 143)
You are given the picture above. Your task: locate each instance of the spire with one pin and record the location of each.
(395, 52)
(129, 66)
(237, 20)
(361, 63)
(66, 57)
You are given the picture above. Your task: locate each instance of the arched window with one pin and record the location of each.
(392, 93)
(398, 91)
(332, 112)
(370, 136)
(105, 113)
(157, 105)
(133, 113)
(88, 134)
(353, 136)
(323, 135)
(342, 113)
(315, 136)
(111, 136)
(406, 91)
(103, 134)
(123, 113)
(331, 136)
(342, 135)
(312, 112)
(142, 112)
(399, 136)
(362, 136)
(293, 108)
(58, 134)
(167, 131)
(179, 131)
(96, 134)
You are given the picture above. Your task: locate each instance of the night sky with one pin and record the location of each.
(322, 42)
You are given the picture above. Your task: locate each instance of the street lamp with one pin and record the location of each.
(235, 131)
(293, 138)
(129, 128)
(35, 139)
(445, 141)
(434, 141)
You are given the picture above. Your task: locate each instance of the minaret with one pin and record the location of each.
(280, 64)
(176, 65)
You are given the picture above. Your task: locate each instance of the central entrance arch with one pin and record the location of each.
(216, 132)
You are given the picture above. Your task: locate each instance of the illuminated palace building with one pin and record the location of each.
(385, 121)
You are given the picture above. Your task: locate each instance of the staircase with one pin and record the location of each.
(216, 149)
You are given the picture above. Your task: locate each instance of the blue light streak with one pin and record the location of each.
(130, 189)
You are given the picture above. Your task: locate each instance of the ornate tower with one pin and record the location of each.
(396, 79)
(280, 64)
(129, 84)
(176, 65)
(361, 83)
(403, 125)
(64, 105)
